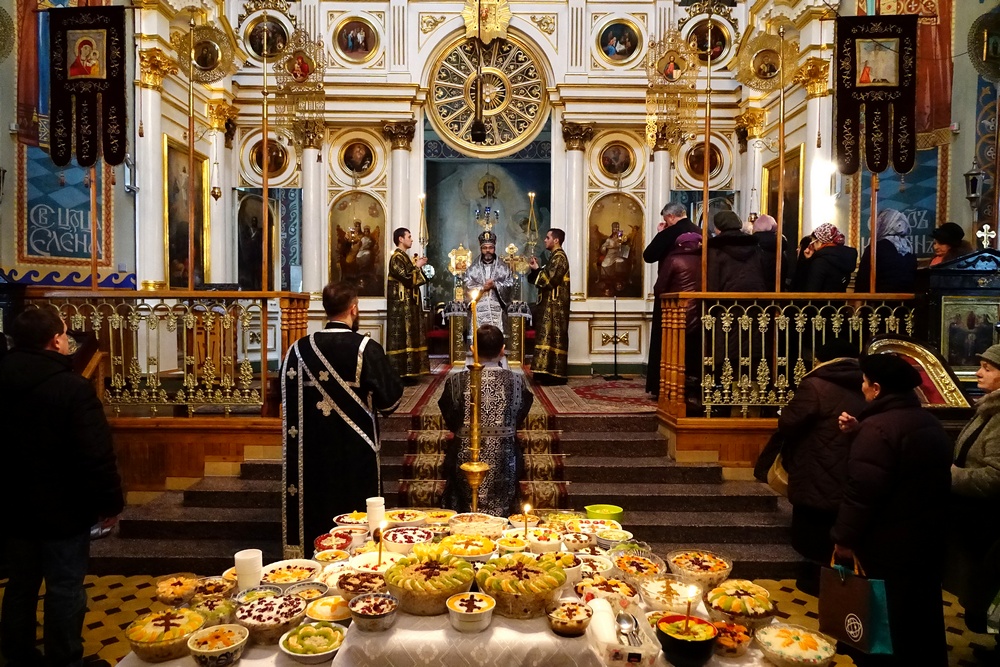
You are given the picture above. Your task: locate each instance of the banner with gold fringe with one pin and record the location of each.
(87, 85)
(876, 83)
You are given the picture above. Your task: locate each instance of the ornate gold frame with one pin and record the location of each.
(718, 22)
(931, 365)
(631, 25)
(254, 154)
(201, 166)
(375, 43)
(342, 154)
(256, 19)
(769, 172)
(632, 159)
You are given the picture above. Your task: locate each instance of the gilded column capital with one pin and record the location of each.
(219, 112)
(576, 135)
(309, 133)
(154, 64)
(752, 121)
(815, 76)
(400, 134)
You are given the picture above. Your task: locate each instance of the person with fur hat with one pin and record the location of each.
(735, 260)
(830, 262)
(949, 243)
(894, 511)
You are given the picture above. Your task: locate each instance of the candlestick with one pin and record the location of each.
(378, 539)
(474, 469)
(687, 619)
(527, 508)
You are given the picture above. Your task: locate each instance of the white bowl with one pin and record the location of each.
(704, 568)
(476, 523)
(578, 541)
(308, 590)
(668, 592)
(368, 561)
(284, 573)
(470, 612)
(517, 520)
(609, 537)
(338, 538)
(542, 540)
(269, 618)
(367, 620)
(352, 519)
(251, 594)
(596, 565)
(287, 642)
(402, 539)
(399, 518)
(209, 653)
(571, 564)
(328, 556)
(332, 608)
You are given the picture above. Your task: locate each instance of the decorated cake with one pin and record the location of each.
(741, 601)
(332, 608)
(175, 590)
(704, 568)
(616, 591)
(216, 609)
(163, 635)
(791, 645)
(469, 546)
(269, 618)
(542, 540)
(521, 585)
(354, 582)
(476, 523)
(668, 592)
(337, 539)
(423, 584)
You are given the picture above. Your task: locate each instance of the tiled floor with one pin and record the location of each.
(117, 601)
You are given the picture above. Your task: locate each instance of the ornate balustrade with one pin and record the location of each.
(183, 349)
(751, 350)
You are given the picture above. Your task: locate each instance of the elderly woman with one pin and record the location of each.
(735, 260)
(895, 262)
(975, 488)
(949, 243)
(894, 511)
(830, 262)
(765, 230)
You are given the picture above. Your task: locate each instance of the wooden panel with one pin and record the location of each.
(737, 442)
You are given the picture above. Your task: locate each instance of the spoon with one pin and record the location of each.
(635, 630)
(626, 625)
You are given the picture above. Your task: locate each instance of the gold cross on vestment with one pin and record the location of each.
(326, 405)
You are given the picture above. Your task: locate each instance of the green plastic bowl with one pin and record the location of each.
(605, 512)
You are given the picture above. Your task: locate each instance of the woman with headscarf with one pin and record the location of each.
(895, 261)
(765, 230)
(893, 516)
(735, 260)
(831, 263)
(949, 243)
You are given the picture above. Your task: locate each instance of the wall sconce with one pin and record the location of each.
(974, 188)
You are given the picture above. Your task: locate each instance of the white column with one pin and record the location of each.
(315, 237)
(659, 196)
(221, 267)
(576, 137)
(817, 201)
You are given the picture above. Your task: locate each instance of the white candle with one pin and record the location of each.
(376, 512)
(249, 568)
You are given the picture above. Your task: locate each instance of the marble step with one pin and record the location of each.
(607, 443)
(722, 497)
(630, 469)
(169, 518)
(115, 555)
(620, 423)
(717, 527)
(392, 466)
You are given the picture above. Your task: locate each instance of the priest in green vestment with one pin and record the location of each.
(550, 362)
(406, 326)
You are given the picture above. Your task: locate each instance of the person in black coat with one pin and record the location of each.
(895, 262)
(831, 262)
(815, 451)
(675, 222)
(894, 512)
(59, 477)
(735, 260)
(765, 230)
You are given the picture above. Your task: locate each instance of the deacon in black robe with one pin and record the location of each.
(333, 383)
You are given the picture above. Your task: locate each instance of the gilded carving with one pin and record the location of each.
(814, 75)
(576, 135)
(428, 22)
(220, 112)
(486, 20)
(308, 133)
(400, 134)
(545, 22)
(752, 120)
(154, 64)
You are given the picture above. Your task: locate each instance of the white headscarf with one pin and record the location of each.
(892, 226)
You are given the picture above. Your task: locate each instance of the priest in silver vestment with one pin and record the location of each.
(495, 282)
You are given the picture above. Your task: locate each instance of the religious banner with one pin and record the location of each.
(876, 83)
(87, 85)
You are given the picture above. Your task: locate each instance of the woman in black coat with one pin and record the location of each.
(765, 230)
(831, 263)
(894, 513)
(895, 262)
(735, 260)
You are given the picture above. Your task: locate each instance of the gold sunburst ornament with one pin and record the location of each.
(205, 51)
(486, 19)
(762, 60)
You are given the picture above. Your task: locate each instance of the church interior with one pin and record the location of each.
(252, 151)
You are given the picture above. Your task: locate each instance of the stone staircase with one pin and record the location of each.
(619, 459)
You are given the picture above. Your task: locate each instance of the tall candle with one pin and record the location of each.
(378, 538)
(527, 508)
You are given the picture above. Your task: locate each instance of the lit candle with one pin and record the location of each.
(378, 538)
(474, 295)
(527, 508)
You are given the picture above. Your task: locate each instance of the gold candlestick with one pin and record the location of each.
(527, 508)
(378, 538)
(474, 469)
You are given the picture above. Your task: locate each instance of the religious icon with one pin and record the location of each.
(300, 66)
(269, 32)
(206, 55)
(619, 41)
(878, 61)
(765, 64)
(277, 157)
(359, 221)
(616, 159)
(458, 260)
(358, 158)
(710, 39)
(695, 161)
(671, 66)
(615, 265)
(356, 40)
(87, 54)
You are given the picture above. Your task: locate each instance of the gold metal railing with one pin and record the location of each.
(752, 350)
(183, 349)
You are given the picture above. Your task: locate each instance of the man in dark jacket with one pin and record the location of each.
(815, 451)
(893, 515)
(735, 260)
(58, 479)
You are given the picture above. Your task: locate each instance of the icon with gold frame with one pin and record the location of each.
(356, 39)
(277, 158)
(619, 41)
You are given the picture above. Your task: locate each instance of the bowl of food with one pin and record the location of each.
(636, 565)
(609, 537)
(353, 583)
(332, 608)
(313, 643)
(400, 518)
(469, 547)
(522, 586)
(543, 540)
(569, 562)
(557, 519)
(439, 517)
(352, 519)
(163, 635)
(733, 640)
(740, 601)
(591, 565)
(369, 561)
(569, 617)
(215, 609)
(668, 592)
(518, 520)
(788, 645)
(401, 540)
(618, 592)
(687, 641)
(340, 538)
(328, 556)
(653, 617)
(218, 646)
(269, 618)
(470, 612)
(476, 523)
(423, 584)
(251, 594)
(593, 526)
(207, 586)
(176, 589)
(331, 573)
(605, 512)
(284, 573)
(578, 541)
(704, 568)
(593, 550)
(512, 543)
(308, 590)
(230, 575)
(374, 612)
(359, 536)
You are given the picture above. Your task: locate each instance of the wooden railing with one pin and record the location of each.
(180, 349)
(752, 349)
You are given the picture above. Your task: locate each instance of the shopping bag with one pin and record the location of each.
(777, 477)
(853, 609)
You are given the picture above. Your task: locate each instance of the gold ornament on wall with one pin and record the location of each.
(486, 20)
(204, 51)
(301, 66)
(762, 60)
